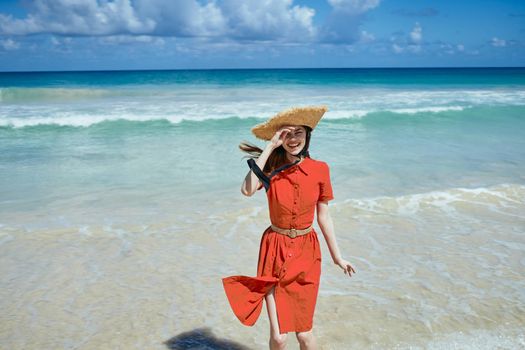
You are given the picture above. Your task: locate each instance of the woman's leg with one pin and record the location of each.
(277, 341)
(306, 340)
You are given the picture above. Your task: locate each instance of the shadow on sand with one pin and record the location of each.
(202, 339)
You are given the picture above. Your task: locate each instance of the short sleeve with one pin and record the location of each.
(259, 173)
(325, 185)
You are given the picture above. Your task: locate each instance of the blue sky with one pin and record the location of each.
(194, 34)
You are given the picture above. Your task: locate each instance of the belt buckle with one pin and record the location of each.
(293, 233)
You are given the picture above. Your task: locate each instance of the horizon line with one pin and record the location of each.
(225, 69)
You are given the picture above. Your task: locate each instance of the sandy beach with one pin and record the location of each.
(150, 286)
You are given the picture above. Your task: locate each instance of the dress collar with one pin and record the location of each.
(305, 165)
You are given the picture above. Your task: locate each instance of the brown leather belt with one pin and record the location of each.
(292, 232)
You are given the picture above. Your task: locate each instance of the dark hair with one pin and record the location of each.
(278, 156)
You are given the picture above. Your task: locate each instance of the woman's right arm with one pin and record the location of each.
(251, 181)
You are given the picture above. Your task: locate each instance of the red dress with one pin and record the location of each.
(292, 265)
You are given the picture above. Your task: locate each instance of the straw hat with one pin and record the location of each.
(308, 115)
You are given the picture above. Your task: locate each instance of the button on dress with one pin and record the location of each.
(291, 265)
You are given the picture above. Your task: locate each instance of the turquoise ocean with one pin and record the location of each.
(114, 182)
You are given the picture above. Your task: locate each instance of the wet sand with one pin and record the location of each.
(428, 276)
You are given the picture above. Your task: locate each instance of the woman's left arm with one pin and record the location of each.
(327, 227)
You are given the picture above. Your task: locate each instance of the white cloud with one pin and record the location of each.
(448, 48)
(240, 19)
(397, 48)
(416, 34)
(342, 25)
(59, 41)
(354, 6)
(269, 19)
(367, 37)
(77, 17)
(183, 18)
(130, 39)
(408, 43)
(9, 44)
(498, 42)
(350, 48)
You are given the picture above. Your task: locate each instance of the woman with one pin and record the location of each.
(289, 264)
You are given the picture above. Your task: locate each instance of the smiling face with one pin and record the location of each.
(295, 140)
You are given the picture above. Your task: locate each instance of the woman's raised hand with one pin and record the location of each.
(280, 136)
(345, 265)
